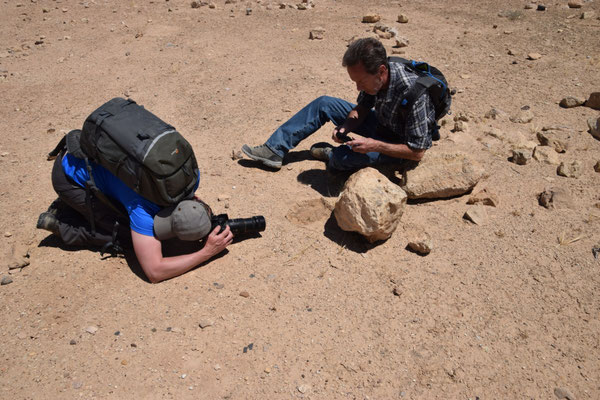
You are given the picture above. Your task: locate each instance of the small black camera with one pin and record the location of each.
(239, 225)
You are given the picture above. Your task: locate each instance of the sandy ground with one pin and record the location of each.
(507, 309)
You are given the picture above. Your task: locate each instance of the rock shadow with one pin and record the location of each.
(328, 184)
(353, 241)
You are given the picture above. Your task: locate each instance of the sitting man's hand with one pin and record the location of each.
(216, 242)
(339, 133)
(363, 145)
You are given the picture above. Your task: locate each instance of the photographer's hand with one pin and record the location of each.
(216, 242)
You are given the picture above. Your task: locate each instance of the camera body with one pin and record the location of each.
(239, 225)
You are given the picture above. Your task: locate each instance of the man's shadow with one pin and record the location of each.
(170, 248)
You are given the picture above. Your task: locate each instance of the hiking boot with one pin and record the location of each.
(49, 222)
(56, 207)
(321, 151)
(263, 154)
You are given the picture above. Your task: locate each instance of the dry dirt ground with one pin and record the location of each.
(504, 310)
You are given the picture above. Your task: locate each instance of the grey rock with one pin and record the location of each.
(563, 393)
(6, 280)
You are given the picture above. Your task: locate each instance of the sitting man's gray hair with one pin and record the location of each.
(368, 51)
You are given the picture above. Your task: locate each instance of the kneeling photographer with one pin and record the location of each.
(127, 179)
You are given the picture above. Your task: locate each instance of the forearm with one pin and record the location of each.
(398, 151)
(355, 118)
(158, 268)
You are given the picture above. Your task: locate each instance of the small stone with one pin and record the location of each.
(597, 167)
(484, 197)
(534, 56)
(401, 42)
(205, 323)
(460, 126)
(223, 197)
(6, 280)
(124, 362)
(575, 3)
(521, 156)
(524, 116)
(316, 34)
(371, 18)
(587, 15)
(183, 376)
(244, 294)
(73, 342)
(546, 155)
(7, 234)
(267, 370)
(195, 4)
(217, 367)
(541, 7)
(91, 330)
(594, 125)
(570, 170)
(403, 19)
(77, 385)
(303, 388)
(563, 393)
(236, 155)
(476, 215)
(570, 102)
(218, 285)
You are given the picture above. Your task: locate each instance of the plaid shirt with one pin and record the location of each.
(416, 131)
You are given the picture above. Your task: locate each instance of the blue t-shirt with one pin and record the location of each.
(141, 211)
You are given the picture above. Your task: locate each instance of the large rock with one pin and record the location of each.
(556, 197)
(441, 175)
(546, 155)
(370, 204)
(555, 139)
(570, 170)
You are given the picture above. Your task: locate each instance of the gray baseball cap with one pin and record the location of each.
(188, 220)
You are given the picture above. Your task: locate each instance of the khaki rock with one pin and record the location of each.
(557, 198)
(575, 3)
(403, 19)
(370, 204)
(570, 170)
(588, 15)
(594, 125)
(483, 197)
(316, 34)
(495, 113)
(524, 116)
(418, 240)
(401, 42)
(551, 139)
(371, 18)
(460, 126)
(384, 35)
(593, 101)
(534, 56)
(476, 215)
(441, 175)
(546, 155)
(570, 102)
(521, 156)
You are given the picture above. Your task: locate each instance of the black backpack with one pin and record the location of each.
(431, 80)
(140, 149)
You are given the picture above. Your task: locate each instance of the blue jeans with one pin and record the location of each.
(314, 116)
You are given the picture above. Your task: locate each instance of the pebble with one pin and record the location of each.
(77, 385)
(476, 215)
(563, 393)
(183, 376)
(73, 342)
(205, 323)
(124, 362)
(217, 367)
(371, 18)
(534, 56)
(7, 234)
(91, 330)
(218, 285)
(6, 280)
(403, 19)
(244, 294)
(303, 388)
(575, 4)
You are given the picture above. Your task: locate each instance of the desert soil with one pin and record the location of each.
(505, 309)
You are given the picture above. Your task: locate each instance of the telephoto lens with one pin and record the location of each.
(247, 225)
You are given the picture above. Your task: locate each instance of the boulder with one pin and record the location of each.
(370, 204)
(441, 175)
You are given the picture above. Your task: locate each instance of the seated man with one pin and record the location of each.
(144, 227)
(386, 136)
